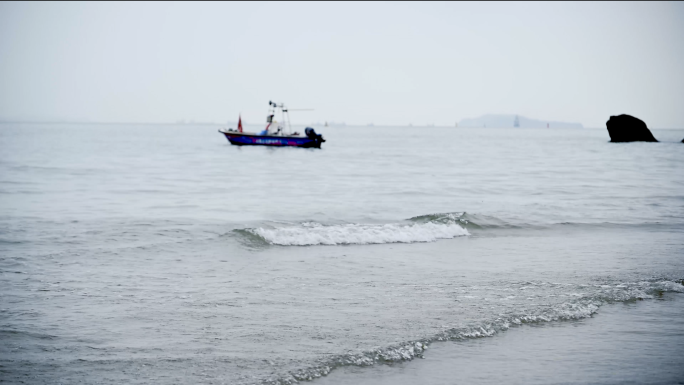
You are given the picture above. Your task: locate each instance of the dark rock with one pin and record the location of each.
(626, 128)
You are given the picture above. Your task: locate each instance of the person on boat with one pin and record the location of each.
(269, 122)
(265, 131)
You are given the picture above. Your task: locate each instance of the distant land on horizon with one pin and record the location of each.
(508, 121)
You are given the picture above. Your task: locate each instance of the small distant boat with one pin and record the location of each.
(275, 134)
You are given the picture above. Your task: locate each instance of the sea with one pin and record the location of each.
(161, 254)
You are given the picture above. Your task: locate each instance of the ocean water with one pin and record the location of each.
(161, 254)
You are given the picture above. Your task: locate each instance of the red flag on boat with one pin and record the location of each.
(240, 124)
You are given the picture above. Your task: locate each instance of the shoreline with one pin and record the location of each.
(631, 342)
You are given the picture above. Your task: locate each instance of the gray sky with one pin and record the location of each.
(386, 63)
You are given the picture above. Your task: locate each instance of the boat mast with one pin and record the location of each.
(286, 121)
(271, 114)
(287, 126)
(272, 106)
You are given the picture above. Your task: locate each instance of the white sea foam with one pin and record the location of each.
(317, 234)
(574, 310)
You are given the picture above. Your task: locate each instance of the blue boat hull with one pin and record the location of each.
(244, 139)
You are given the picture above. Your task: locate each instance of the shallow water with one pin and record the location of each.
(161, 254)
(627, 343)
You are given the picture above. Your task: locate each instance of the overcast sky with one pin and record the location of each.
(386, 63)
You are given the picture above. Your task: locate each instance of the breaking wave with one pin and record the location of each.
(581, 308)
(422, 228)
(314, 233)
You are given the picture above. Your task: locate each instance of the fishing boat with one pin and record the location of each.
(275, 134)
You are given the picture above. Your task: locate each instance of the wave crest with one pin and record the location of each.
(466, 220)
(314, 233)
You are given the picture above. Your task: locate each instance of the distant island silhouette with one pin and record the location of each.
(513, 121)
